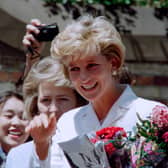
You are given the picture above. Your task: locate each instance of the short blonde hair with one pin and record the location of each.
(48, 70)
(88, 36)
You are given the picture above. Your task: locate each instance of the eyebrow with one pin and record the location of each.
(11, 111)
(63, 96)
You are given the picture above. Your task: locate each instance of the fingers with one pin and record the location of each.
(31, 28)
(42, 121)
(42, 127)
(35, 22)
(52, 116)
(52, 122)
(32, 46)
(28, 39)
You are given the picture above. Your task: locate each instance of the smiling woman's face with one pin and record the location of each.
(12, 124)
(91, 76)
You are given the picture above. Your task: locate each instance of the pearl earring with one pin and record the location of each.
(114, 73)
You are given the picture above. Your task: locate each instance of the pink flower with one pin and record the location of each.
(159, 116)
(165, 136)
(148, 148)
(134, 159)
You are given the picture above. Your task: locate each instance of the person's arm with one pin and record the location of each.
(37, 163)
(33, 47)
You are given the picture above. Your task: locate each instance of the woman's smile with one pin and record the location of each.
(89, 87)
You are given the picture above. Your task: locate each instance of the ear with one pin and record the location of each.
(116, 62)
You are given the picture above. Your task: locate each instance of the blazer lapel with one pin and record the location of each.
(120, 107)
(88, 120)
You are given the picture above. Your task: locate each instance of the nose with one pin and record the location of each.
(84, 75)
(53, 107)
(16, 121)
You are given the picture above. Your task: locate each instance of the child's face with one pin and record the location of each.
(55, 99)
(12, 124)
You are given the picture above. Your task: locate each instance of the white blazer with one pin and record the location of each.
(83, 120)
(123, 114)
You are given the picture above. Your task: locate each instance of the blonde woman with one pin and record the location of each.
(93, 54)
(48, 94)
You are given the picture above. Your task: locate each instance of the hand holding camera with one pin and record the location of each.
(47, 32)
(36, 34)
(33, 41)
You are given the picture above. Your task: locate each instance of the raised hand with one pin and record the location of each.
(42, 128)
(32, 46)
(29, 41)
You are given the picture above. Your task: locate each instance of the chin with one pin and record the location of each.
(89, 98)
(14, 143)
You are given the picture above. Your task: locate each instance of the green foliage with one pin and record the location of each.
(152, 3)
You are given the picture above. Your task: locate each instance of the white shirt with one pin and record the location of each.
(83, 120)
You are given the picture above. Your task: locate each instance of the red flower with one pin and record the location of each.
(110, 132)
(110, 136)
(110, 149)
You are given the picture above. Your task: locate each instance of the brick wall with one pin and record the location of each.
(11, 66)
(152, 87)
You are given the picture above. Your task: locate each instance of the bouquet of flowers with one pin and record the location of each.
(148, 148)
(113, 138)
(116, 144)
(113, 147)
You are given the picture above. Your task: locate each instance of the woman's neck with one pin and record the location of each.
(103, 105)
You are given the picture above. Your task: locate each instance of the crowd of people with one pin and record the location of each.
(81, 87)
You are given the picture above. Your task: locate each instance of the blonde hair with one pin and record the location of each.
(48, 70)
(88, 36)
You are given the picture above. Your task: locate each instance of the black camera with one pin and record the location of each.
(47, 32)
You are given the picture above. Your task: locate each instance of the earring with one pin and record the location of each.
(114, 73)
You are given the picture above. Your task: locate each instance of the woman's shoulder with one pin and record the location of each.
(23, 148)
(148, 102)
(20, 156)
(145, 106)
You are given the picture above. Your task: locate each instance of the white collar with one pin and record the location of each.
(120, 107)
(126, 97)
